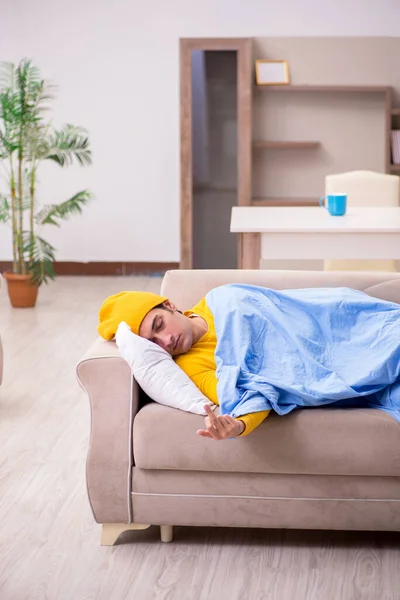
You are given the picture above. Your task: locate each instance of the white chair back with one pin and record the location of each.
(364, 188)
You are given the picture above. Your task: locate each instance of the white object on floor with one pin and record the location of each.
(158, 374)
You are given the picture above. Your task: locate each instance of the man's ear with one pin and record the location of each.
(170, 305)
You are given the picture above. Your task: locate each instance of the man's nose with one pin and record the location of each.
(165, 340)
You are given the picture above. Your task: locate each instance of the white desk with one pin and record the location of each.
(272, 232)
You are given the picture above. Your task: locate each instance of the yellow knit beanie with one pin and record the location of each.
(131, 307)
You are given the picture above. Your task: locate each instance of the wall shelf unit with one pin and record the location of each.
(285, 201)
(364, 90)
(282, 145)
(328, 89)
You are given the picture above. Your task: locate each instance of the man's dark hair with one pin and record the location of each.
(163, 307)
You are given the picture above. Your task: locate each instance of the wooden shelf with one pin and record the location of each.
(284, 145)
(214, 187)
(395, 168)
(284, 201)
(364, 89)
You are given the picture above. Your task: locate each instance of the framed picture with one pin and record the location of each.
(272, 72)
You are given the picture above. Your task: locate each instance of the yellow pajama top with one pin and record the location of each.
(200, 366)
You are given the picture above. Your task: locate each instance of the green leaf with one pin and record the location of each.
(41, 271)
(23, 99)
(5, 209)
(68, 144)
(52, 213)
(42, 257)
(10, 121)
(7, 76)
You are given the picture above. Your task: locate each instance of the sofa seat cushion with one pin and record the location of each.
(319, 441)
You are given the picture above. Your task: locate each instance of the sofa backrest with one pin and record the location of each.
(186, 287)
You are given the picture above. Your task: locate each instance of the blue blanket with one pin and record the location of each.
(282, 350)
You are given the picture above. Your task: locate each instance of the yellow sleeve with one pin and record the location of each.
(252, 420)
(207, 383)
(199, 365)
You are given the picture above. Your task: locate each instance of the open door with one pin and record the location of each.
(216, 88)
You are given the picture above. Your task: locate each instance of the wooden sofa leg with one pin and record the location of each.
(166, 533)
(111, 531)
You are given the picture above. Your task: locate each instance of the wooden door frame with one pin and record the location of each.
(243, 47)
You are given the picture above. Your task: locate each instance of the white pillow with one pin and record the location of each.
(158, 374)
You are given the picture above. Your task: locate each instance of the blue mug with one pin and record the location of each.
(335, 204)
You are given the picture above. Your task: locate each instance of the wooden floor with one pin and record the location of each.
(49, 543)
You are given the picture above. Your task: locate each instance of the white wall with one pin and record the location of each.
(117, 67)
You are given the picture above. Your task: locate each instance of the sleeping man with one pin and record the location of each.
(252, 349)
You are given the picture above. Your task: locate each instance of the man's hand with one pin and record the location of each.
(220, 427)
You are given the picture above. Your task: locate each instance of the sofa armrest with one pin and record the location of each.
(114, 401)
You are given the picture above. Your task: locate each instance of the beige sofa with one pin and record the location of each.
(312, 469)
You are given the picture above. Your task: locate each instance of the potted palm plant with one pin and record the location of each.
(27, 139)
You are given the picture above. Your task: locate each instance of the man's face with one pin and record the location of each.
(168, 328)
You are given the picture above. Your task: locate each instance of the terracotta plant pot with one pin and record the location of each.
(21, 292)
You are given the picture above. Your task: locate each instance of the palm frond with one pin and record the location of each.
(9, 116)
(43, 255)
(3, 146)
(51, 214)
(25, 204)
(7, 76)
(35, 141)
(28, 83)
(5, 209)
(31, 94)
(67, 144)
